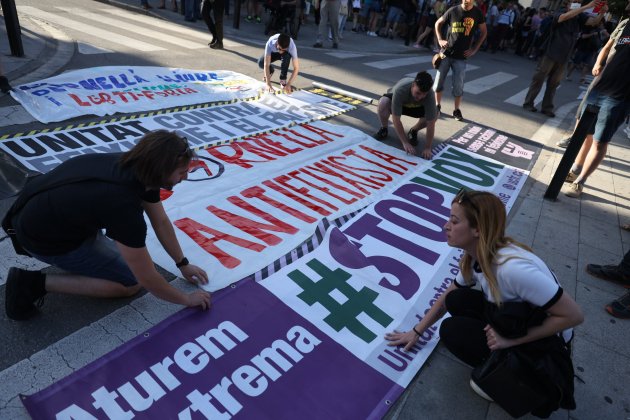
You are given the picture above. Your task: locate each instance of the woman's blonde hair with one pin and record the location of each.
(486, 213)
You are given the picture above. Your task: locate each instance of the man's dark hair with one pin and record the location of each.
(156, 156)
(424, 81)
(284, 41)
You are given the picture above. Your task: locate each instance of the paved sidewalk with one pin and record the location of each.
(567, 234)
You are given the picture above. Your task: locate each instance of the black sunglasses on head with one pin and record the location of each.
(462, 196)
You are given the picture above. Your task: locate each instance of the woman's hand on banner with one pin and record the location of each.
(397, 338)
(194, 274)
(198, 298)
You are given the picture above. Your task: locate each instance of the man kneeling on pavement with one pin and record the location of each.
(86, 217)
(415, 98)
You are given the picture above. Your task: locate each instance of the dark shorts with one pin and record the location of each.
(415, 112)
(612, 113)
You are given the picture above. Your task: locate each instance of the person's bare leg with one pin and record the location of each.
(578, 164)
(88, 286)
(457, 102)
(595, 156)
(384, 110)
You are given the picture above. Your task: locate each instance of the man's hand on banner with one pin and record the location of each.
(194, 274)
(198, 298)
(397, 338)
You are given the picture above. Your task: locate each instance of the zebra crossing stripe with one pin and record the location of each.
(519, 98)
(88, 29)
(399, 62)
(133, 28)
(485, 83)
(168, 26)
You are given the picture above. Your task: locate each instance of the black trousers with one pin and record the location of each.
(214, 22)
(463, 333)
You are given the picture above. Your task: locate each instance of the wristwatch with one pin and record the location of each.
(182, 263)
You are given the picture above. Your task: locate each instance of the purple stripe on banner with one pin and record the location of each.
(250, 356)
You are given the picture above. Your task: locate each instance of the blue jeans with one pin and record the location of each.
(612, 113)
(97, 257)
(284, 66)
(459, 71)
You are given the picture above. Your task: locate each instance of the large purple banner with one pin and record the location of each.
(249, 356)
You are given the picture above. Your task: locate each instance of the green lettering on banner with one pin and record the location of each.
(342, 315)
(454, 166)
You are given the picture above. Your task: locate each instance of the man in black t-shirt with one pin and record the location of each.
(611, 93)
(60, 218)
(463, 21)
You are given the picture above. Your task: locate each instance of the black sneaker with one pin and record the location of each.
(564, 143)
(5, 87)
(457, 114)
(610, 273)
(217, 45)
(317, 45)
(530, 107)
(548, 113)
(335, 46)
(620, 308)
(381, 134)
(412, 137)
(23, 288)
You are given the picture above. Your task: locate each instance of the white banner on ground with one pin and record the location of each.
(385, 268)
(273, 191)
(111, 89)
(44, 150)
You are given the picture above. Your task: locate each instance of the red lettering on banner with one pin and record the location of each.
(385, 176)
(296, 197)
(321, 132)
(264, 151)
(121, 95)
(259, 139)
(193, 229)
(380, 165)
(258, 192)
(235, 159)
(333, 162)
(256, 229)
(387, 157)
(321, 168)
(284, 181)
(325, 189)
(313, 142)
(78, 100)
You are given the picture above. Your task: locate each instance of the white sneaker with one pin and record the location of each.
(627, 130)
(479, 391)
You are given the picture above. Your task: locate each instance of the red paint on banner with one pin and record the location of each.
(285, 180)
(258, 192)
(293, 196)
(193, 229)
(295, 174)
(391, 159)
(254, 228)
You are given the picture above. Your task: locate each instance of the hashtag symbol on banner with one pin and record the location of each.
(340, 314)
